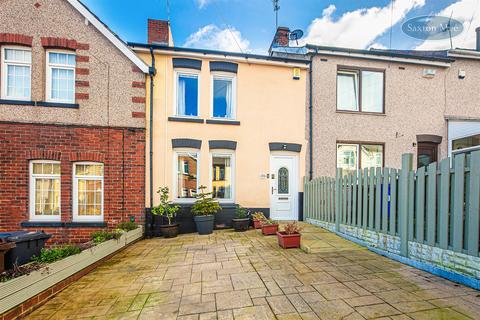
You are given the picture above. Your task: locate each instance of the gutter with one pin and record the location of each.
(151, 72)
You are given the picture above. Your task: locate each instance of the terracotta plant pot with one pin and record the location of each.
(257, 224)
(169, 230)
(288, 240)
(241, 224)
(269, 229)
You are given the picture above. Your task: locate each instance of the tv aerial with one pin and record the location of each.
(295, 35)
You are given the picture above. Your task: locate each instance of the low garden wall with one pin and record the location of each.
(22, 295)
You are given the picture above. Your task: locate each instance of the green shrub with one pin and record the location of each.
(205, 205)
(241, 212)
(165, 209)
(127, 226)
(55, 254)
(103, 235)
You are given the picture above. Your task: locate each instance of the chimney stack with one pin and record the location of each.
(281, 37)
(158, 32)
(478, 38)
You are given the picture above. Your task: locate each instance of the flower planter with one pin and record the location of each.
(269, 229)
(241, 224)
(288, 240)
(257, 224)
(204, 224)
(169, 230)
(16, 291)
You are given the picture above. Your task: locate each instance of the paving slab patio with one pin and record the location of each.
(229, 275)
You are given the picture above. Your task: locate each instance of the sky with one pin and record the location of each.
(249, 25)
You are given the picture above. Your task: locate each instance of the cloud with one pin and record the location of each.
(212, 37)
(203, 3)
(358, 28)
(377, 45)
(463, 11)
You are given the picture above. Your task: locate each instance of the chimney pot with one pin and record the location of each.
(281, 37)
(478, 38)
(158, 32)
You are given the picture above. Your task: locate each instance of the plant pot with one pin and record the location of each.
(241, 224)
(269, 229)
(288, 240)
(169, 230)
(257, 224)
(204, 224)
(157, 224)
(148, 224)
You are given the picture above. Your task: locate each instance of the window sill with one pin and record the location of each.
(181, 119)
(57, 105)
(381, 114)
(17, 102)
(56, 224)
(227, 122)
(39, 104)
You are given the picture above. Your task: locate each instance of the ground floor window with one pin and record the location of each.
(186, 168)
(222, 176)
(45, 190)
(88, 191)
(354, 156)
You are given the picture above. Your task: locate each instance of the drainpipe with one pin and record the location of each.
(151, 72)
(310, 115)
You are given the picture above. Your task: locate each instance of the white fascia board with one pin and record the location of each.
(109, 35)
(382, 58)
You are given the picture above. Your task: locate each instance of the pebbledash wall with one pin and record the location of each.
(106, 123)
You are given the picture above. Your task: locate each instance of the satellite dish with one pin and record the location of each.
(295, 35)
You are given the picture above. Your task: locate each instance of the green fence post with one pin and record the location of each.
(338, 205)
(407, 165)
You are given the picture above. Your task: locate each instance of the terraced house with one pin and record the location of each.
(72, 121)
(229, 121)
(368, 107)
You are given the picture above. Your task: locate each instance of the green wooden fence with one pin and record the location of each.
(437, 205)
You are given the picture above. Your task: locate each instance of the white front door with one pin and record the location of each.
(283, 187)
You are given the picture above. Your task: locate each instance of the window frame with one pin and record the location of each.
(48, 75)
(359, 144)
(32, 196)
(217, 75)
(176, 153)
(75, 216)
(4, 73)
(359, 70)
(223, 153)
(187, 72)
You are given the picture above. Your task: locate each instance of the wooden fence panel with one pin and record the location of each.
(371, 198)
(431, 203)
(473, 212)
(365, 199)
(444, 207)
(458, 200)
(411, 204)
(393, 202)
(378, 198)
(386, 186)
(420, 206)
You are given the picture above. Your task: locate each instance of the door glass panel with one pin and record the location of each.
(283, 181)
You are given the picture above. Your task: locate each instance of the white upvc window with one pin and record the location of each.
(16, 73)
(187, 93)
(45, 189)
(222, 175)
(223, 95)
(88, 191)
(60, 77)
(186, 175)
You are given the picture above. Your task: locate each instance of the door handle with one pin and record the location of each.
(273, 189)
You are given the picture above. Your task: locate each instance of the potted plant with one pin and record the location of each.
(290, 236)
(165, 210)
(204, 210)
(269, 227)
(241, 222)
(258, 218)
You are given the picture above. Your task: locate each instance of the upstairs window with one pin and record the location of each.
(360, 90)
(44, 190)
(187, 94)
(61, 77)
(223, 96)
(16, 73)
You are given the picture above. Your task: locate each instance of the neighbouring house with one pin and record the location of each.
(72, 122)
(232, 122)
(371, 106)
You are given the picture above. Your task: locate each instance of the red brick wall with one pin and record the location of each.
(121, 150)
(158, 31)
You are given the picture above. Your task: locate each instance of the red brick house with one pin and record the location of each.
(72, 122)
